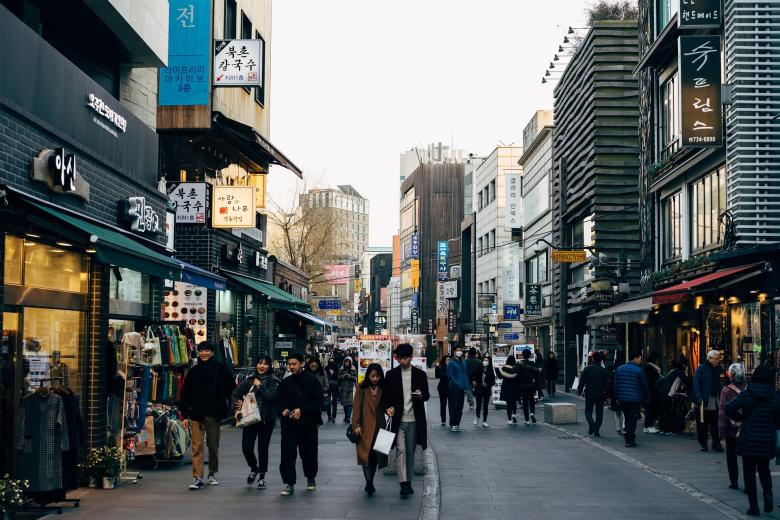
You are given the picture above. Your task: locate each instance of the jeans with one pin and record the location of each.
(298, 440)
(631, 412)
(711, 423)
(529, 405)
(731, 459)
(599, 404)
(456, 405)
(347, 412)
(483, 401)
(443, 396)
(334, 405)
(405, 444)
(470, 395)
(260, 434)
(210, 428)
(749, 467)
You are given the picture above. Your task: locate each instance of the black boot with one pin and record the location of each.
(370, 489)
(753, 511)
(769, 504)
(404, 489)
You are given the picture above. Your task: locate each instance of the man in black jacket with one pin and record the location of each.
(299, 402)
(406, 390)
(594, 380)
(205, 395)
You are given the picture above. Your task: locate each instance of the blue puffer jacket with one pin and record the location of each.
(631, 384)
(758, 408)
(457, 371)
(706, 382)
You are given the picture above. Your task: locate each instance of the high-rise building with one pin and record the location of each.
(433, 153)
(349, 213)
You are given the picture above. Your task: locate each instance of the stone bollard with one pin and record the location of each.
(560, 413)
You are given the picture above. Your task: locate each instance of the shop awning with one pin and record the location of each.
(277, 298)
(680, 292)
(314, 320)
(632, 311)
(201, 277)
(115, 248)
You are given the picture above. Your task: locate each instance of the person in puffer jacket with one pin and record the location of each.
(631, 391)
(758, 407)
(510, 389)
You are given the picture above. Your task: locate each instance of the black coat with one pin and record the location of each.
(476, 376)
(594, 379)
(510, 384)
(264, 393)
(443, 386)
(758, 407)
(393, 395)
(206, 391)
(300, 391)
(552, 369)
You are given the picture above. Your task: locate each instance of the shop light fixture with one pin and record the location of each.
(32, 235)
(56, 251)
(62, 243)
(27, 243)
(754, 291)
(762, 297)
(676, 307)
(90, 251)
(699, 301)
(733, 299)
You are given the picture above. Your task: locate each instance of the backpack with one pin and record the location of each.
(525, 375)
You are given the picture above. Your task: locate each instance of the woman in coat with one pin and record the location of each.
(315, 367)
(443, 387)
(671, 398)
(263, 383)
(366, 421)
(332, 371)
(758, 407)
(551, 372)
(482, 379)
(726, 427)
(510, 389)
(347, 381)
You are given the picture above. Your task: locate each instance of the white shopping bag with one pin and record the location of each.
(575, 384)
(384, 439)
(250, 412)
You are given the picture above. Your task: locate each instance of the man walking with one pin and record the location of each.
(403, 399)
(631, 391)
(706, 395)
(527, 379)
(458, 374)
(299, 402)
(205, 395)
(594, 380)
(472, 363)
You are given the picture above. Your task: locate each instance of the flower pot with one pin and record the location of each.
(108, 483)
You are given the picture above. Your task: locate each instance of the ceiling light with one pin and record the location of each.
(32, 235)
(28, 243)
(56, 251)
(91, 251)
(62, 243)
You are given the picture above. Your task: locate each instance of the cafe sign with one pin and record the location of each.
(701, 109)
(57, 169)
(141, 216)
(699, 14)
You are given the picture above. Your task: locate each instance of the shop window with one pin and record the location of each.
(746, 334)
(14, 255)
(133, 286)
(672, 227)
(40, 266)
(709, 201)
(669, 118)
(666, 11)
(225, 302)
(537, 200)
(582, 233)
(536, 268)
(230, 19)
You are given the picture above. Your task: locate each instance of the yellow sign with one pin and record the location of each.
(258, 181)
(568, 257)
(335, 312)
(285, 353)
(358, 285)
(415, 273)
(233, 207)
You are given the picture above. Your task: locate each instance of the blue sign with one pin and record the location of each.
(511, 312)
(504, 325)
(511, 336)
(444, 252)
(415, 253)
(329, 305)
(415, 301)
(186, 79)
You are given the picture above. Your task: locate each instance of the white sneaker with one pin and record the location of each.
(476, 422)
(527, 423)
(197, 483)
(212, 480)
(652, 429)
(453, 429)
(485, 425)
(509, 422)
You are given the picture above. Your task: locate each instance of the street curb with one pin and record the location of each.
(720, 506)
(431, 502)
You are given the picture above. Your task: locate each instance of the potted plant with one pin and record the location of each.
(103, 465)
(11, 495)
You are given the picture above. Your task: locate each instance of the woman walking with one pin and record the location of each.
(758, 407)
(366, 422)
(443, 387)
(315, 367)
(674, 383)
(263, 383)
(551, 372)
(727, 428)
(332, 371)
(510, 389)
(347, 380)
(482, 380)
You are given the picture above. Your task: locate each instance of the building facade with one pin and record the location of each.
(433, 153)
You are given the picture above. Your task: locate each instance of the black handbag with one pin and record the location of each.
(353, 438)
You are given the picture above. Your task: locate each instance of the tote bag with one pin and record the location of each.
(250, 411)
(384, 438)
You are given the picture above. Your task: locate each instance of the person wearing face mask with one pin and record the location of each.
(366, 421)
(457, 372)
(443, 387)
(205, 394)
(347, 380)
(482, 380)
(263, 383)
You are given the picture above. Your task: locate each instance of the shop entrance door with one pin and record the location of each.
(11, 371)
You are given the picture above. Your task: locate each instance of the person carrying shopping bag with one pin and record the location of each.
(367, 418)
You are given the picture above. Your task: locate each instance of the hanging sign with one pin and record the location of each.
(533, 299)
(699, 14)
(185, 81)
(512, 215)
(511, 312)
(701, 109)
(189, 200)
(142, 217)
(237, 63)
(450, 289)
(452, 321)
(444, 249)
(567, 257)
(233, 207)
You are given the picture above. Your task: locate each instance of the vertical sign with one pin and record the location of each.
(701, 109)
(512, 215)
(185, 81)
(441, 301)
(699, 14)
(415, 253)
(444, 250)
(415, 325)
(452, 321)
(533, 299)
(511, 287)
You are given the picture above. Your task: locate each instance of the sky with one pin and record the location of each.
(356, 82)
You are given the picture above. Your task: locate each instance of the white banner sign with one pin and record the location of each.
(511, 287)
(512, 214)
(441, 301)
(189, 199)
(237, 63)
(450, 289)
(233, 207)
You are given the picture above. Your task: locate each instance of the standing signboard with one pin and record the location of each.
(185, 81)
(373, 349)
(418, 342)
(444, 250)
(701, 111)
(187, 302)
(237, 63)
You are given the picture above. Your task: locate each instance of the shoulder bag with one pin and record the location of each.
(353, 438)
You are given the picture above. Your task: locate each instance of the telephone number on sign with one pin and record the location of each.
(699, 139)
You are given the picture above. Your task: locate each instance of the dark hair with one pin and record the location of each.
(598, 356)
(472, 352)
(636, 353)
(316, 360)
(763, 375)
(653, 357)
(373, 367)
(404, 350)
(297, 356)
(551, 353)
(444, 359)
(206, 345)
(511, 360)
(526, 354)
(266, 358)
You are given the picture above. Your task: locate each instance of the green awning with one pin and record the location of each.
(277, 298)
(115, 248)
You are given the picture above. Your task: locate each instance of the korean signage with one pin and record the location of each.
(511, 336)
(511, 312)
(141, 216)
(441, 301)
(452, 321)
(185, 81)
(415, 249)
(533, 299)
(329, 305)
(233, 207)
(110, 120)
(189, 199)
(485, 300)
(57, 169)
(511, 287)
(415, 273)
(237, 63)
(431, 326)
(699, 14)
(512, 217)
(444, 251)
(337, 274)
(187, 302)
(701, 110)
(449, 289)
(568, 257)
(373, 349)
(415, 319)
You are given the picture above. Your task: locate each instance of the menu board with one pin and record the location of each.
(187, 302)
(373, 349)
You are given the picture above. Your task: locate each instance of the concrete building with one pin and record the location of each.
(536, 162)
(364, 284)
(349, 212)
(433, 153)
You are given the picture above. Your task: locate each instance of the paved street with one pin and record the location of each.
(538, 472)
